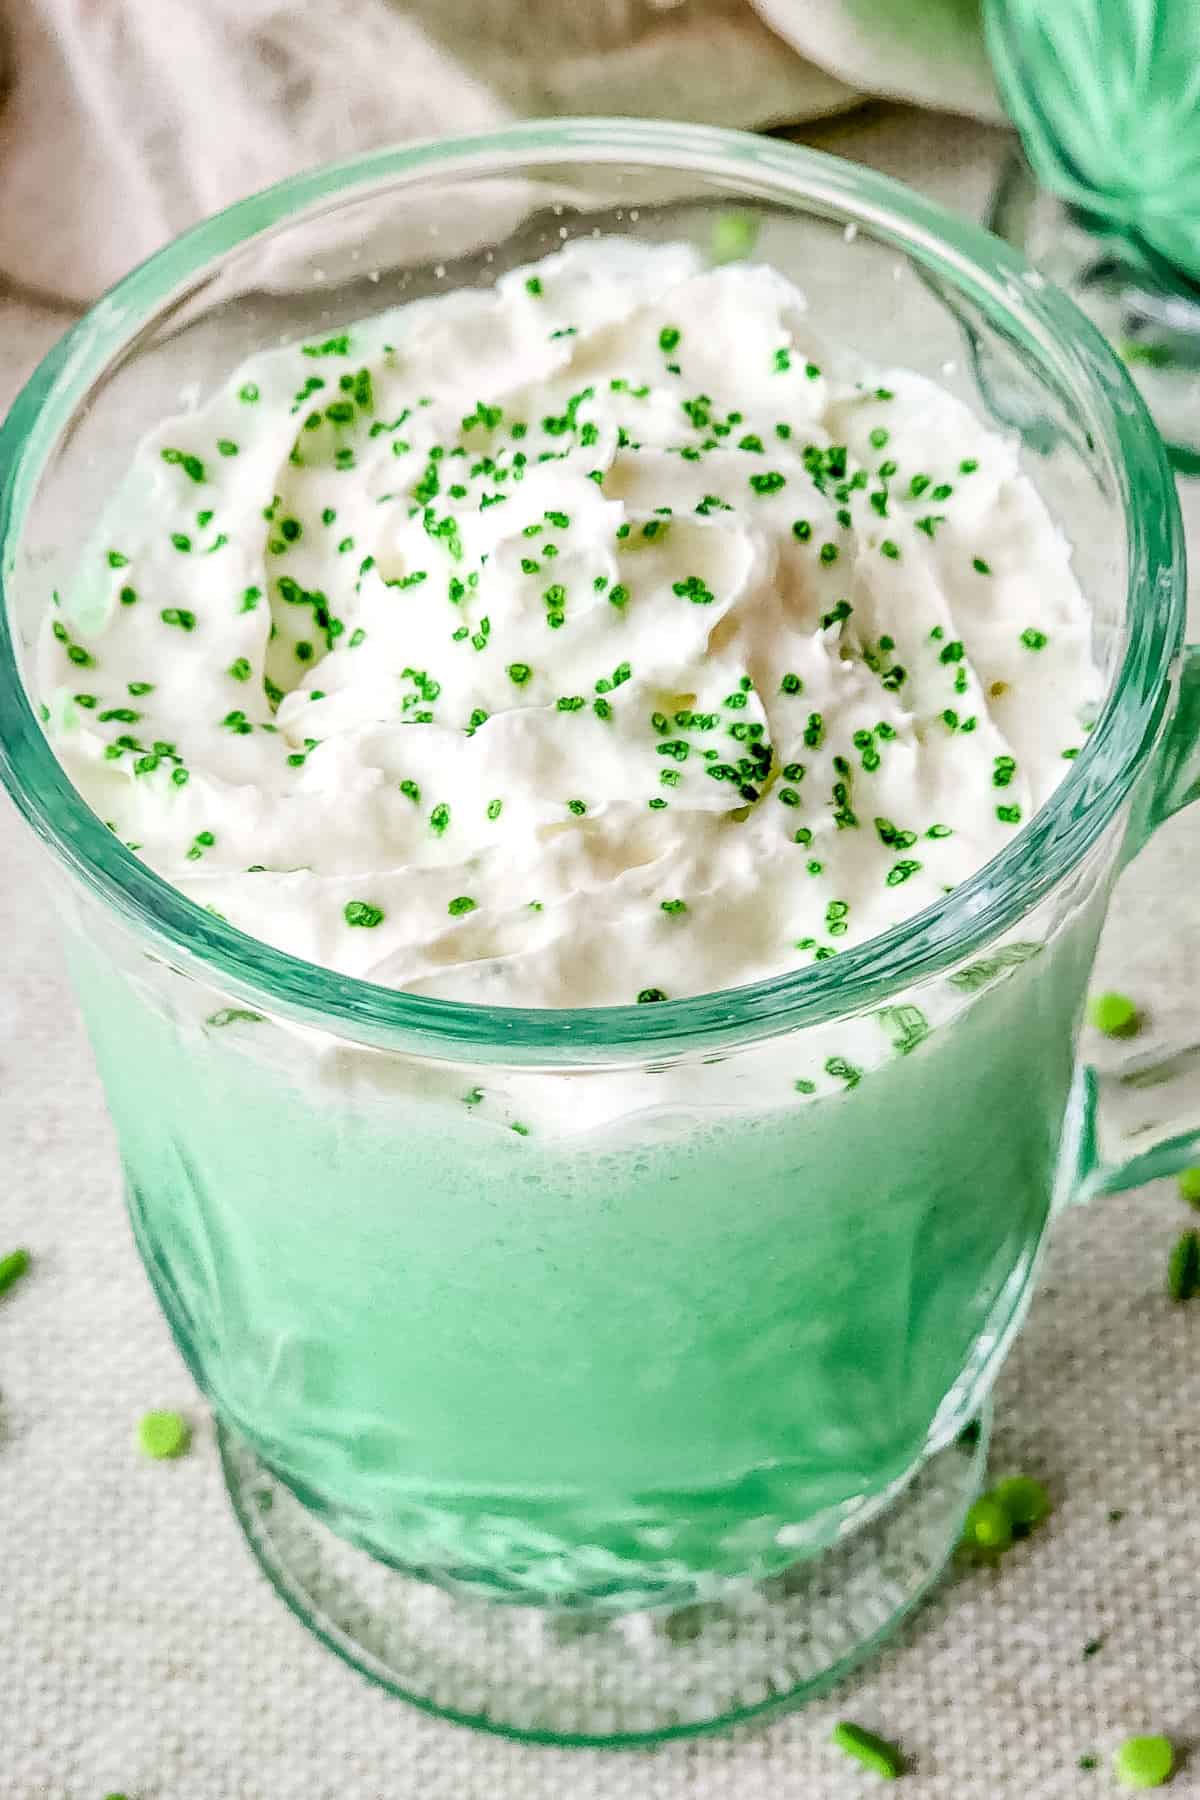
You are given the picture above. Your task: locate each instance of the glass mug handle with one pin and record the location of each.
(1142, 1120)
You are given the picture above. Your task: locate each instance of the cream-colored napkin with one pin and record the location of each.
(124, 121)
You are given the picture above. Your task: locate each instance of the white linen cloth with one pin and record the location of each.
(124, 121)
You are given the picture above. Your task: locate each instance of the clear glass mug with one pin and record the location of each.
(595, 1376)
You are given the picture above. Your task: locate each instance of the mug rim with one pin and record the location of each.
(961, 254)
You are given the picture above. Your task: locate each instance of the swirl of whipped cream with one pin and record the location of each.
(596, 637)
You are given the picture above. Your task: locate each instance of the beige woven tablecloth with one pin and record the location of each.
(141, 1652)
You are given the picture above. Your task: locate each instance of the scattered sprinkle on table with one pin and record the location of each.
(12, 1267)
(1144, 1762)
(987, 1526)
(1183, 1267)
(872, 1752)
(1189, 1186)
(163, 1435)
(1114, 1014)
(1024, 1500)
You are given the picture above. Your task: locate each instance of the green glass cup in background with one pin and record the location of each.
(1104, 197)
(663, 1408)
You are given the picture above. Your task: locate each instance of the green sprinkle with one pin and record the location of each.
(533, 285)
(240, 670)
(900, 872)
(1189, 1186)
(890, 550)
(770, 483)
(668, 337)
(987, 1526)
(463, 904)
(879, 438)
(734, 235)
(361, 912)
(439, 818)
(248, 393)
(1034, 640)
(647, 995)
(1144, 1762)
(693, 589)
(1183, 1267)
(874, 1753)
(1151, 356)
(178, 615)
(334, 346)
(1114, 1014)
(163, 1435)
(1089, 1762)
(982, 568)
(12, 1267)
(191, 465)
(968, 466)
(1024, 1500)
(829, 553)
(519, 673)
(578, 807)
(674, 906)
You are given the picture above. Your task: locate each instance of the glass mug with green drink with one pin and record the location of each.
(656, 1414)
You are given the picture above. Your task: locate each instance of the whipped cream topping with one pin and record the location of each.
(602, 636)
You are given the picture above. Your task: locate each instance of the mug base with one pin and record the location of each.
(587, 1680)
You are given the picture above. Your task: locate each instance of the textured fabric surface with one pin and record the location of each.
(141, 1652)
(123, 123)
